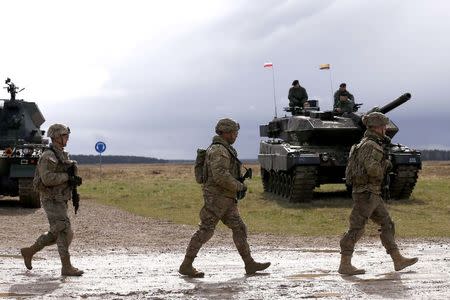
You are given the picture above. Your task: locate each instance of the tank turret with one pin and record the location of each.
(21, 144)
(311, 148)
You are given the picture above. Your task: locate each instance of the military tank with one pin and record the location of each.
(311, 148)
(21, 145)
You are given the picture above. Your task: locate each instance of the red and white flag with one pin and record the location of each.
(268, 65)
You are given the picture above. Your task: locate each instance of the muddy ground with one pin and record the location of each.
(127, 256)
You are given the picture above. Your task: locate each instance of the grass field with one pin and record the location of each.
(169, 192)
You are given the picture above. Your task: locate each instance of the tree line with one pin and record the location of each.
(435, 154)
(116, 159)
(128, 159)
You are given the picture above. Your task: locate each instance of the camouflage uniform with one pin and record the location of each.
(369, 169)
(367, 195)
(219, 193)
(297, 96)
(54, 197)
(55, 186)
(222, 170)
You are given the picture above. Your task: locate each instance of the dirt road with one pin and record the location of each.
(127, 256)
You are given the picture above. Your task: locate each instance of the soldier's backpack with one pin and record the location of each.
(199, 167)
(353, 169)
(38, 185)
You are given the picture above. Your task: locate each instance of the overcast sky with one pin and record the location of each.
(153, 77)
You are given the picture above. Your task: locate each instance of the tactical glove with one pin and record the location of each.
(241, 194)
(75, 180)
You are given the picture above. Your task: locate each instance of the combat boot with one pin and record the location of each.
(187, 269)
(28, 254)
(401, 262)
(251, 266)
(347, 268)
(67, 268)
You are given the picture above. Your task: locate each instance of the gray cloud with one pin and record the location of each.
(170, 95)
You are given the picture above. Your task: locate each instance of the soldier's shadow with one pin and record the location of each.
(335, 199)
(39, 287)
(387, 285)
(228, 289)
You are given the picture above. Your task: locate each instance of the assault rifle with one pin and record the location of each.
(248, 174)
(75, 181)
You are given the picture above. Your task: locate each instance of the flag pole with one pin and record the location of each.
(274, 98)
(331, 86)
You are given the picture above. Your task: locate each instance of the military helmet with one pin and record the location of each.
(375, 119)
(57, 130)
(227, 125)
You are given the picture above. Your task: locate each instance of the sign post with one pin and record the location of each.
(100, 147)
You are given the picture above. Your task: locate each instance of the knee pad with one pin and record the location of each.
(46, 239)
(388, 225)
(240, 228)
(51, 236)
(59, 226)
(354, 234)
(204, 234)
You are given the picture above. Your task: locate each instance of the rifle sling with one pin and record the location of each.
(231, 152)
(58, 158)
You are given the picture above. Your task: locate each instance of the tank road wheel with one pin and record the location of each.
(279, 187)
(265, 177)
(283, 185)
(276, 183)
(27, 196)
(280, 184)
(271, 181)
(303, 184)
(403, 182)
(287, 186)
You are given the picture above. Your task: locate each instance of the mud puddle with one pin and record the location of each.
(294, 274)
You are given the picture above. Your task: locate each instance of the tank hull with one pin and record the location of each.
(283, 163)
(21, 144)
(16, 178)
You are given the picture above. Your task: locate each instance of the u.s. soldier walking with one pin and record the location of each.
(222, 170)
(365, 171)
(55, 186)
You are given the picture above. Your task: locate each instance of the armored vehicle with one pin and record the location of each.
(21, 144)
(311, 148)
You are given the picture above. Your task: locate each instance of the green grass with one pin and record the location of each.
(177, 198)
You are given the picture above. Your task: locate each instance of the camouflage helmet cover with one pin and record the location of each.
(227, 125)
(57, 130)
(375, 119)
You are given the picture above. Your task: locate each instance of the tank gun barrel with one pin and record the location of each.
(394, 104)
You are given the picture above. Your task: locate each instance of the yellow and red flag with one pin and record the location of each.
(324, 66)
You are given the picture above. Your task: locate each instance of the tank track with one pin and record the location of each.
(265, 177)
(27, 196)
(403, 182)
(296, 186)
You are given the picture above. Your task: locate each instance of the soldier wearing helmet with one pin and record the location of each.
(55, 186)
(222, 169)
(366, 169)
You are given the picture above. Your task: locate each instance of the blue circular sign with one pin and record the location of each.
(100, 147)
